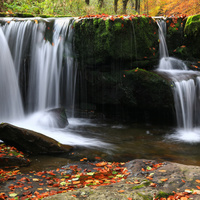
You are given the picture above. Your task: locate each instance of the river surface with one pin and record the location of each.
(121, 143)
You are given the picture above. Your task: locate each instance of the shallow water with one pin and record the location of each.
(121, 142)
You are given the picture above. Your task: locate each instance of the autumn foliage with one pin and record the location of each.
(172, 7)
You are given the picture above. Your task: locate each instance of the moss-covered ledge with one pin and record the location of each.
(117, 42)
(131, 95)
(192, 34)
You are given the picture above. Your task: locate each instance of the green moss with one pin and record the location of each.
(192, 35)
(192, 26)
(122, 41)
(145, 197)
(117, 26)
(163, 194)
(138, 187)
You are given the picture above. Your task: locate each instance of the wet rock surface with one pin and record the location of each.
(168, 178)
(29, 141)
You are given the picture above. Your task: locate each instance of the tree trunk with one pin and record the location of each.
(2, 6)
(132, 3)
(87, 2)
(100, 3)
(124, 6)
(115, 6)
(137, 6)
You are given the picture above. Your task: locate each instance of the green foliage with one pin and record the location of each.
(192, 26)
(63, 7)
(163, 195)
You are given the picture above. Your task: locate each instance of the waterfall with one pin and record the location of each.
(166, 62)
(38, 56)
(11, 104)
(186, 90)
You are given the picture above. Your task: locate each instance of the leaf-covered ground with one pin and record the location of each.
(138, 179)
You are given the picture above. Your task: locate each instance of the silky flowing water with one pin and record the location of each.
(50, 83)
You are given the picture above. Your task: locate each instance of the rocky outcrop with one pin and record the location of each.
(116, 43)
(30, 141)
(169, 179)
(132, 95)
(192, 33)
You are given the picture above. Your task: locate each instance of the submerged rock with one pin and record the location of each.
(30, 141)
(58, 118)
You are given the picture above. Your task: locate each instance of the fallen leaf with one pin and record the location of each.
(13, 195)
(162, 170)
(153, 184)
(198, 187)
(101, 164)
(36, 179)
(120, 191)
(164, 179)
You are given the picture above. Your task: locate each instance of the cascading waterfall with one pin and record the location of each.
(52, 67)
(11, 104)
(37, 63)
(47, 67)
(186, 91)
(166, 62)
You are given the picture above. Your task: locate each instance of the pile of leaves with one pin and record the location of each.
(8, 151)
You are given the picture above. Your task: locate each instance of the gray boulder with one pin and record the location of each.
(30, 141)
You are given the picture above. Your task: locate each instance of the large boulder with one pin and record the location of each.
(30, 141)
(131, 95)
(116, 43)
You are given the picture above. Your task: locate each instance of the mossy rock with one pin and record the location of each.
(175, 35)
(116, 43)
(192, 27)
(192, 34)
(132, 94)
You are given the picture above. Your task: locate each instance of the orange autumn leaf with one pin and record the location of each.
(39, 189)
(198, 181)
(120, 191)
(101, 164)
(164, 179)
(198, 187)
(184, 198)
(153, 184)
(183, 181)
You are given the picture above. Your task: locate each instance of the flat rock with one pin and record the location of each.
(30, 141)
(178, 177)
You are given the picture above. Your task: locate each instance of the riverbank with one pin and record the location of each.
(137, 179)
(169, 180)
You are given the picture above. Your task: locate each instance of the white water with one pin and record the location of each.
(10, 99)
(186, 91)
(47, 67)
(52, 78)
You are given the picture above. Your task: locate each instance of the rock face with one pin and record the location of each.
(132, 95)
(30, 141)
(192, 32)
(116, 43)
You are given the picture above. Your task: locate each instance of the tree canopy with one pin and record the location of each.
(111, 7)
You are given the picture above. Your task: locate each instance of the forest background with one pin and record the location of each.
(112, 7)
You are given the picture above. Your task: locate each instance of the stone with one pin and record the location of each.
(30, 141)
